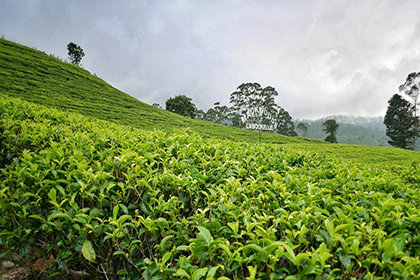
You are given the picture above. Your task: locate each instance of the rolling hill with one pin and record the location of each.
(44, 79)
(95, 184)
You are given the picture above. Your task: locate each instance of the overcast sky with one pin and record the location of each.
(323, 57)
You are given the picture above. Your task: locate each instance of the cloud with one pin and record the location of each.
(323, 57)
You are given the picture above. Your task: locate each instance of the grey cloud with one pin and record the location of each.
(323, 57)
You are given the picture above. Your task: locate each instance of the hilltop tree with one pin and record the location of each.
(75, 53)
(157, 105)
(399, 122)
(181, 105)
(331, 127)
(411, 87)
(302, 128)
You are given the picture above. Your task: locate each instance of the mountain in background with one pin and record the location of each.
(356, 130)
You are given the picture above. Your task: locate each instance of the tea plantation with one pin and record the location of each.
(112, 201)
(102, 186)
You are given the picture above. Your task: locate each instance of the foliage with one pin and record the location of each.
(399, 122)
(181, 105)
(200, 114)
(250, 96)
(285, 124)
(37, 77)
(218, 114)
(157, 105)
(126, 203)
(75, 53)
(411, 87)
(331, 127)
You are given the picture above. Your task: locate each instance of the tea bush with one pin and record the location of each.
(117, 202)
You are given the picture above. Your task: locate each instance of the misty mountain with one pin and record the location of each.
(356, 130)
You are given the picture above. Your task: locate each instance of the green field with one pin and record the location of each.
(105, 186)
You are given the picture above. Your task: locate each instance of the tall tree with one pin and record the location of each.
(411, 87)
(399, 122)
(331, 127)
(285, 124)
(75, 53)
(302, 128)
(181, 105)
(252, 97)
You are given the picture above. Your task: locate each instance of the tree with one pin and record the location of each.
(157, 105)
(218, 114)
(399, 122)
(302, 128)
(285, 123)
(331, 127)
(200, 115)
(75, 53)
(252, 97)
(181, 105)
(411, 87)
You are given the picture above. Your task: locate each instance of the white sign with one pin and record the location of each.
(254, 116)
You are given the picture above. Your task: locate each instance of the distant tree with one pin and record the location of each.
(285, 124)
(302, 128)
(218, 114)
(411, 87)
(331, 127)
(181, 105)
(157, 105)
(200, 115)
(399, 121)
(75, 53)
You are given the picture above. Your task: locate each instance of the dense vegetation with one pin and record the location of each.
(103, 199)
(115, 200)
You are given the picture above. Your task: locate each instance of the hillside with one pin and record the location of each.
(90, 189)
(37, 77)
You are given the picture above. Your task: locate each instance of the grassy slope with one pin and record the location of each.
(34, 76)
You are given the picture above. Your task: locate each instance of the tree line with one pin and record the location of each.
(255, 107)
(252, 107)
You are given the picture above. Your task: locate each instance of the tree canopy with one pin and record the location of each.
(331, 127)
(399, 122)
(75, 53)
(251, 103)
(411, 88)
(181, 105)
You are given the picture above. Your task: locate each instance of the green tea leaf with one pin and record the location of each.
(88, 251)
(205, 233)
(199, 273)
(345, 260)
